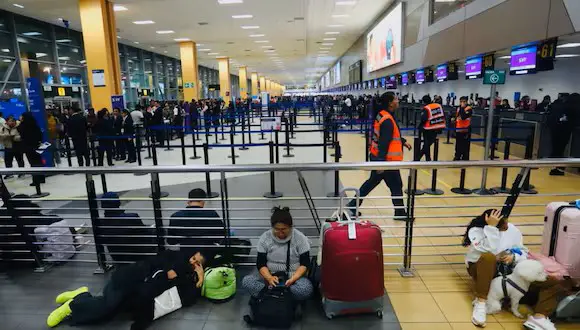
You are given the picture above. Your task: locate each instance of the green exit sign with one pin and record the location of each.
(189, 85)
(494, 77)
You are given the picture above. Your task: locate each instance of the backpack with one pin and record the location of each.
(219, 284)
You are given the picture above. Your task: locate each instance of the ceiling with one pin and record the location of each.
(294, 29)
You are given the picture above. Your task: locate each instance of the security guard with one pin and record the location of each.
(432, 122)
(462, 126)
(386, 145)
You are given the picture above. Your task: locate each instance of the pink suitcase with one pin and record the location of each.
(561, 236)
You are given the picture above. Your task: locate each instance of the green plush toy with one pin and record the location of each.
(219, 284)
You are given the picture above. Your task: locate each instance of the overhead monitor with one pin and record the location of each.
(337, 73)
(384, 42)
(405, 78)
(392, 82)
(384, 82)
(473, 67)
(420, 76)
(523, 60)
(441, 72)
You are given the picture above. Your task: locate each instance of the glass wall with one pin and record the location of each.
(441, 9)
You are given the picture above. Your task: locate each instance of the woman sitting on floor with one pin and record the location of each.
(488, 237)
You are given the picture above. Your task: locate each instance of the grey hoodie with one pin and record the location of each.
(9, 135)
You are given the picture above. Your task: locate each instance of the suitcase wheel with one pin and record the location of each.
(380, 314)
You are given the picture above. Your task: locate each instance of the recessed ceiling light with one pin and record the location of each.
(229, 2)
(63, 40)
(165, 32)
(212, 54)
(204, 50)
(567, 55)
(7, 61)
(329, 39)
(340, 16)
(346, 3)
(119, 8)
(570, 45)
(143, 22)
(261, 41)
(266, 46)
(269, 51)
(242, 16)
(250, 27)
(325, 48)
(32, 34)
(327, 44)
(165, 51)
(505, 57)
(182, 39)
(136, 42)
(118, 37)
(221, 57)
(17, 5)
(256, 35)
(5, 50)
(335, 25)
(152, 47)
(332, 33)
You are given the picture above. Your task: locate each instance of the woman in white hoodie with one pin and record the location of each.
(493, 241)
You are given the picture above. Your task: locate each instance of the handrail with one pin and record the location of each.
(537, 163)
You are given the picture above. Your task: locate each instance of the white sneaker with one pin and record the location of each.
(479, 316)
(539, 323)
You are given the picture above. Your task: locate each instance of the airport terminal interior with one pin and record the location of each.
(120, 120)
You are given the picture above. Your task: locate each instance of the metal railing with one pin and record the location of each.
(96, 239)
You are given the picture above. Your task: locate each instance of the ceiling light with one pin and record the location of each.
(327, 44)
(165, 32)
(229, 2)
(119, 8)
(7, 61)
(38, 55)
(329, 39)
(221, 57)
(213, 54)
(242, 16)
(340, 16)
(204, 50)
(567, 55)
(143, 22)
(152, 47)
(63, 40)
(165, 51)
(570, 45)
(335, 25)
(332, 33)
(261, 41)
(118, 37)
(505, 57)
(346, 3)
(182, 39)
(256, 35)
(250, 27)
(31, 34)
(5, 50)
(136, 42)
(325, 48)
(17, 5)
(64, 58)
(266, 46)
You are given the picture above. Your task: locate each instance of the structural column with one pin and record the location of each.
(269, 86)
(255, 90)
(225, 82)
(262, 84)
(243, 82)
(101, 51)
(189, 74)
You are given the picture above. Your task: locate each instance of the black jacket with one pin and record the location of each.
(131, 243)
(105, 127)
(127, 126)
(202, 223)
(77, 127)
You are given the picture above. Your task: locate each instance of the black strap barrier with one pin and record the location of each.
(504, 172)
(272, 193)
(433, 190)
(337, 156)
(210, 194)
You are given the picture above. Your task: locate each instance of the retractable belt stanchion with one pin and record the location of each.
(215, 132)
(337, 155)
(168, 136)
(154, 147)
(461, 189)
(39, 193)
(367, 147)
(93, 151)
(448, 140)
(156, 195)
(287, 133)
(148, 139)
(138, 150)
(182, 138)
(272, 193)
(68, 151)
(527, 188)
(292, 125)
(416, 157)
(221, 120)
(504, 172)
(324, 152)
(194, 147)
(95, 223)
(210, 193)
(232, 155)
(199, 122)
(433, 190)
(207, 136)
(243, 147)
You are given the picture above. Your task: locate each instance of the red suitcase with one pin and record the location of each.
(352, 268)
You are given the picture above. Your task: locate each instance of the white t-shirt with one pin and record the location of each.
(491, 239)
(348, 102)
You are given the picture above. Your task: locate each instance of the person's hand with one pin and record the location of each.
(171, 275)
(273, 281)
(289, 282)
(408, 146)
(493, 218)
(507, 259)
(198, 268)
(199, 283)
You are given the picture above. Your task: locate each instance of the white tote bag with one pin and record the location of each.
(167, 302)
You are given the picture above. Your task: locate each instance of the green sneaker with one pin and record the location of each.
(68, 295)
(59, 314)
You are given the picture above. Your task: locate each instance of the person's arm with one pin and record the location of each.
(485, 239)
(302, 269)
(385, 138)
(423, 119)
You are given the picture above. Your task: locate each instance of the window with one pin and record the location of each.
(35, 50)
(67, 36)
(32, 28)
(6, 45)
(46, 73)
(70, 55)
(7, 64)
(4, 22)
(442, 8)
(72, 75)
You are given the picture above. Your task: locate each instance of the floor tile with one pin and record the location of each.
(425, 326)
(470, 326)
(416, 307)
(506, 317)
(168, 324)
(223, 325)
(376, 325)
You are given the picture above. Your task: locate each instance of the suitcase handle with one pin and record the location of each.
(341, 210)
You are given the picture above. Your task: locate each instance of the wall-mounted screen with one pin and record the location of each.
(405, 78)
(420, 76)
(523, 60)
(441, 72)
(473, 67)
(392, 82)
(384, 42)
(383, 82)
(337, 73)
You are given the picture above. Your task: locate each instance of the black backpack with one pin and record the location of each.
(274, 307)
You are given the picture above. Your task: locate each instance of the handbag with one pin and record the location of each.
(273, 307)
(167, 302)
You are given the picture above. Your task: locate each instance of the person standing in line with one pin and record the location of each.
(564, 116)
(10, 138)
(31, 138)
(2, 122)
(386, 145)
(127, 131)
(54, 127)
(77, 130)
(104, 130)
(119, 150)
(432, 122)
(462, 126)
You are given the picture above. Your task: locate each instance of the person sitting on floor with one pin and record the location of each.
(272, 257)
(488, 237)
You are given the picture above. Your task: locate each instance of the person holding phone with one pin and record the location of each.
(493, 242)
(273, 255)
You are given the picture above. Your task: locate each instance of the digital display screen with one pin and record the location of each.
(473, 67)
(420, 76)
(384, 42)
(441, 72)
(523, 60)
(392, 82)
(383, 82)
(405, 79)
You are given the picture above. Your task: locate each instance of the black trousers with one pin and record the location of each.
(10, 154)
(130, 147)
(35, 160)
(429, 138)
(82, 151)
(89, 309)
(461, 146)
(120, 149)
(560, 139)
(393, 180)
(105, 147)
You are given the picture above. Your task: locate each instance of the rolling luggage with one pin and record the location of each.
(352, 266)
(561, 236)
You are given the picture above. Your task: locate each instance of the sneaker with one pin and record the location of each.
(68, 295)
(59, 314)
(534, 323)
(557, 172)
(400, 215)
(479, 316)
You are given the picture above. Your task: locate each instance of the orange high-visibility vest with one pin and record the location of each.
(435, 117)
(395, 151)
(462, 125)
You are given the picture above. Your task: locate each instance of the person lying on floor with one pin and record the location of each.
(135, 287)
(494, 242)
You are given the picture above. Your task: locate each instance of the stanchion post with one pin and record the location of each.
(433, 190)
(272, 193)
(416, 157)
(104, 183)
(216, 135)
(157, 214)
(243, 147)
(232, 155)
(148, 139)
(154, 151)
(407, 270)
(337, 155)
(68, 151)
(287, 133)
(96, 224)
(527, 187)
(448, 141)
(168, 136)
(221, 120)
(182, 138)
(292, 125)
(194, 147)
(93, 151)
(502, 189)
(207, 136)
(210, 194)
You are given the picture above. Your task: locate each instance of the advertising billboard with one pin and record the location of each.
(384, 42)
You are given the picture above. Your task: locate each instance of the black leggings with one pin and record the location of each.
(10, 154)
(429, 138)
